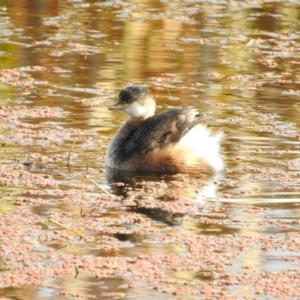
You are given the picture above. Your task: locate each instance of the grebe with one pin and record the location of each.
(170, 142)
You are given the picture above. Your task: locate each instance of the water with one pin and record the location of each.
(236, 62)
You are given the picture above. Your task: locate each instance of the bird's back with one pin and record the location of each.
(160, 131)
(169, 142)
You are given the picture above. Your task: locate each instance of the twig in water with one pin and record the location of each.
(66, 227)
(69, 156)
(83, 215)
(101, 188)
(82, 195)
(82, 188)
(76, 272)
(86, 162)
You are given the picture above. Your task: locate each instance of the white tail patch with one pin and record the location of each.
(204, 145)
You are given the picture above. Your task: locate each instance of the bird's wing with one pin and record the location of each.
(161, 130)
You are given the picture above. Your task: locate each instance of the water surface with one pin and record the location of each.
(236, 62)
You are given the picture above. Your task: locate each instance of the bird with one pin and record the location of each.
(171, 142)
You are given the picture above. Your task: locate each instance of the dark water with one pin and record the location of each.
(237, 62)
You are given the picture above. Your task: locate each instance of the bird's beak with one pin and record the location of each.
(116, 106)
